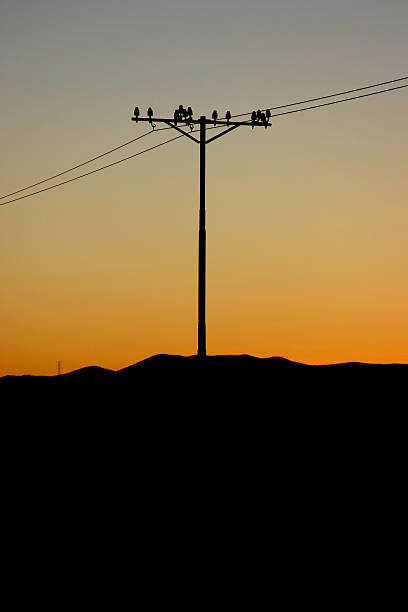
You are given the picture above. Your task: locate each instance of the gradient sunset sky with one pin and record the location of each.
(307, 222)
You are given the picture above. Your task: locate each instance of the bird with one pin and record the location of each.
(176, 116)
(253, 118)
(190, 112)
(268, 114)
(150, 113)
(258, 114)
(137, 113)
(228, 116)
(215, 116)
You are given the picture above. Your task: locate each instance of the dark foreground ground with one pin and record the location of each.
(227, 479)
(227, 380)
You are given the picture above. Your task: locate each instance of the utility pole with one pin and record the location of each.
(185, 116)
(202, 334)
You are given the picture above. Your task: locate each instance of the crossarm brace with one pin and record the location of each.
(182, 131)
(234, 127)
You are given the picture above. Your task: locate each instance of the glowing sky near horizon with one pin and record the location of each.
(306, 222)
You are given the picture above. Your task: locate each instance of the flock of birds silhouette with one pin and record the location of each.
(185, 115)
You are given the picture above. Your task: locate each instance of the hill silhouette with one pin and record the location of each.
(225, 379)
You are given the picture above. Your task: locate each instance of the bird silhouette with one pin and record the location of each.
(215, 116)
(150, 113)
(137, 113)
(176, 116)
(228, 116)
(253, 118)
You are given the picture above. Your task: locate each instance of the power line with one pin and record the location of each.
(119, 161)
(340, 93)
(232, 116)
(88, 161)
(373, 93)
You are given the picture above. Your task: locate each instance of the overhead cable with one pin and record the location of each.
(373, 93)
(340, 93)
(119, 161)
(232, 116)
(88, 161)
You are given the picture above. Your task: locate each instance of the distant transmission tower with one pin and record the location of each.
(59, 367)
(185, 116)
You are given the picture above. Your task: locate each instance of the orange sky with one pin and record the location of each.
(306, 222)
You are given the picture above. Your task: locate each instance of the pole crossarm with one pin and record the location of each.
(207, 122)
